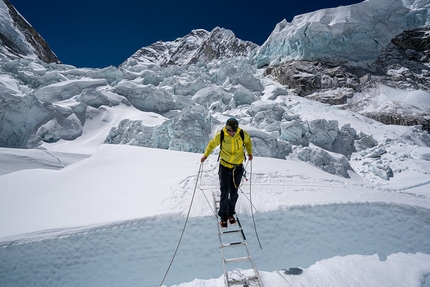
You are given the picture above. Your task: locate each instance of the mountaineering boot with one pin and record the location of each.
(223, 223)
(232, 220)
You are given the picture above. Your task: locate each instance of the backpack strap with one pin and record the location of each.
(221, 139)
(242, 135)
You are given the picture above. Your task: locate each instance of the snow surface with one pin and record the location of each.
(51, 198)
(115, 212)
(79, 203)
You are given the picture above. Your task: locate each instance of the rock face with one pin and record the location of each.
(308, 77)
(415, 44)
(33, 42)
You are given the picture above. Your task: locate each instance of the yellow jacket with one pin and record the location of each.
(232, 152)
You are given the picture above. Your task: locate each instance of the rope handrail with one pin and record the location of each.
(185, 225)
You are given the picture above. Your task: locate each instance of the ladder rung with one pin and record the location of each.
(235, 281)
(230, 231)
(250, 278)
(240, 259)
(233, 244)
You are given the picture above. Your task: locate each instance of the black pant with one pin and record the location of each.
(229, 183)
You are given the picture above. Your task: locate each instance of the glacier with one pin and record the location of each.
(191, 85)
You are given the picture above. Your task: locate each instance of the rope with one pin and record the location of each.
(256, 233)
(252, 209)
(204, 194)
(232, 174)
(185, 225)
(243, 175)
(244, 194)
(207, 200)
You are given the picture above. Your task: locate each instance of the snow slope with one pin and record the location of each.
(124, 183)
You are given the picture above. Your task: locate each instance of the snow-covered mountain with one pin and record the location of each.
(19, 39)
(198, 46)
(368, 61)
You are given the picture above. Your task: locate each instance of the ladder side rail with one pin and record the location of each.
(228, 282)
(254, 266)
(216, 208)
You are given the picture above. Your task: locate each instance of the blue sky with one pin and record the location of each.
(100, 33)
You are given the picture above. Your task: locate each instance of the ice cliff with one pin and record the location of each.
(358, 32)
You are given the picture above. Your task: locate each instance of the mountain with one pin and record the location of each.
(317, 90)
(198, 46)
(19, 38)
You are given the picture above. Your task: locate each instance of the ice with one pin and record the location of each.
(335, 34)
(66, 89)
(326, 242)
(328, 162)
(10, 32)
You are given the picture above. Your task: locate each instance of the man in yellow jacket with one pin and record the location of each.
(232, 155)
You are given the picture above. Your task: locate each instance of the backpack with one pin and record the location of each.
(242, 136)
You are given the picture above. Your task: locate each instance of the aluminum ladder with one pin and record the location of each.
(240, 255)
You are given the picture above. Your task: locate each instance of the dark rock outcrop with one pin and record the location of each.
(307, 77)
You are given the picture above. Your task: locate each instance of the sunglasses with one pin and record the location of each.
(231, 131)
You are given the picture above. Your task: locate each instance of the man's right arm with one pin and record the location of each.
(210, 147)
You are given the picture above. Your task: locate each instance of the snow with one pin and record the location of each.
(8, 83)
(66, 193)
(115, 212)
